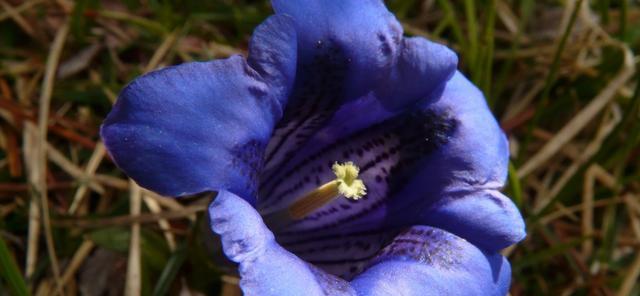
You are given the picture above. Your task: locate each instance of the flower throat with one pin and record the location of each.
(345, 184)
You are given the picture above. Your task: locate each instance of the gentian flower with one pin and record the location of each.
(347, 159)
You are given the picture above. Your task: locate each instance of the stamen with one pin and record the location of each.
(346, 184)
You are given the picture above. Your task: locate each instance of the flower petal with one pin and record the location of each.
(175, 131)
(478, 154)
(272, 53)
(420, 261)
(422, 68)
(347, 50)
(472, 167)
(343, 255)
(265, 267)
(364, 32)
(414, 164)
(485, 217)
(204, 125)
(320, 107)
(429, 261)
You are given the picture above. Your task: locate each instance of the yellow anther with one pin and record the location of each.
(345, 184)
(349, 185)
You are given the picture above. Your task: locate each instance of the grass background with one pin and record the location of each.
(559, 75)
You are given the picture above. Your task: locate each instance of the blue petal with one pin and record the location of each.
(485, 217)
(420, 261)
(265, 268)
(203, 126)
(471, 169)
(430, 261)
(439, 159)
(422, 68)
(363, 31)
(344, 255)
(347, 50)
(273, 52)
(478, 154)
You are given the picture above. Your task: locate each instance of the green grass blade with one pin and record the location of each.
(10, 271)
(627, 124)
(455, 27)
(557, 248)
(603, 6)
(553, 73)
(515, 187)
(486, 62)
(442, 25)
(624, 19)
(170, 271)
(526, 10)
(472, 29)
(148, 24)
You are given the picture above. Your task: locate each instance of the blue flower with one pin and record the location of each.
(325, 82)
